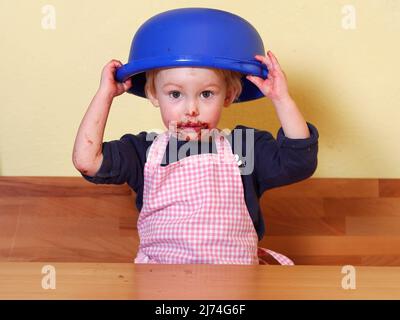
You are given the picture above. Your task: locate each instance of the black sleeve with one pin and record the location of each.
(123, 161)
(284, 161)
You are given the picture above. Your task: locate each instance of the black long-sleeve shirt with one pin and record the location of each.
(277, 162)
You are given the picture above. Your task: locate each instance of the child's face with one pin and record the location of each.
(190, 97)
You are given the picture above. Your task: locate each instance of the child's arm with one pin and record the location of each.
(87, 154)
(275, 88)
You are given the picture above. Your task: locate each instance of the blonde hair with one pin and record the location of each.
(232, 78)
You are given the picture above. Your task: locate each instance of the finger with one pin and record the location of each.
(259, 82)
(127, 84)
(256, 80)
(265, 60)
(274, 60)
(115, 64)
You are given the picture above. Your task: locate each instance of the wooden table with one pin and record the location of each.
(23, 280)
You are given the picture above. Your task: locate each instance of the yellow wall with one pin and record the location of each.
(345, 81)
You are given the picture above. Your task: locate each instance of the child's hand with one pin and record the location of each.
(108, 84)
(275, 86)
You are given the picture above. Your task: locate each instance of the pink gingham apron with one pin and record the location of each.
(194, 210)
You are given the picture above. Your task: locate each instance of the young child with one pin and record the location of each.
(195, 203)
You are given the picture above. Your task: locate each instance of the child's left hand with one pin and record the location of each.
(275, 86)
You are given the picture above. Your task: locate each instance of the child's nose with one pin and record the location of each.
(192, 110)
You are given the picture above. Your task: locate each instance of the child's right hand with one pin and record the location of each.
(108, 84)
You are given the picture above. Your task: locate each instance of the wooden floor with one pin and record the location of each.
(314, 222)
(82, 280)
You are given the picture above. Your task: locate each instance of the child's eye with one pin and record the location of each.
(208, 95)
(175, 94)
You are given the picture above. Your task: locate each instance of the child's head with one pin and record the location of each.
(192, 95)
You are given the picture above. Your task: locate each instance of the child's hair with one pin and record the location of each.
(232, 78)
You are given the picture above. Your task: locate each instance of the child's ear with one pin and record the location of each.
(230, 97)
(152, 98)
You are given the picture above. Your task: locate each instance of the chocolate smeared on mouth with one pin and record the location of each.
(198, 130)
(190, 124)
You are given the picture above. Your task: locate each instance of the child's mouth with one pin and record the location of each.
(197, 126)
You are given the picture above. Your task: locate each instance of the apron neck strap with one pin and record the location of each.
(159, 145)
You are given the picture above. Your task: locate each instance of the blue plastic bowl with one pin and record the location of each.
(197, 37)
